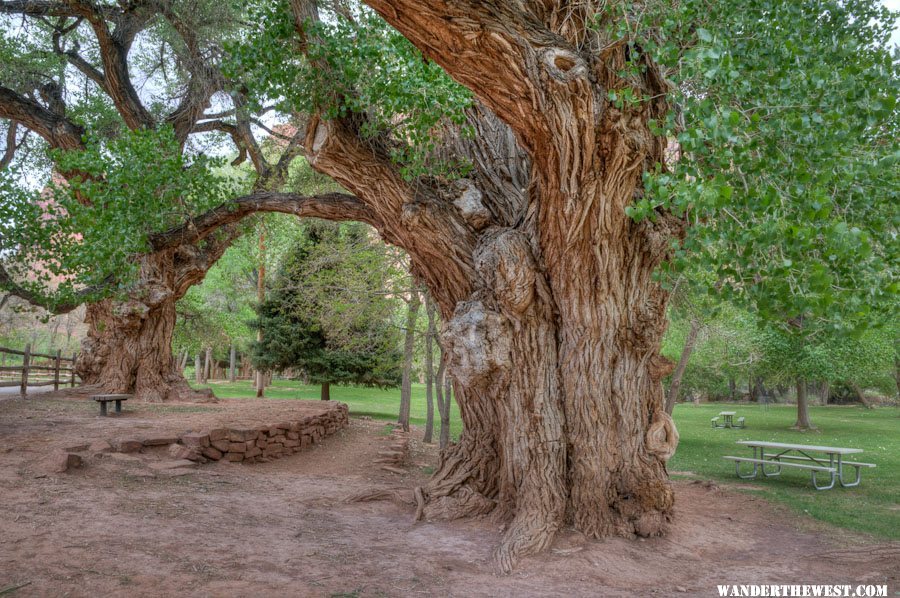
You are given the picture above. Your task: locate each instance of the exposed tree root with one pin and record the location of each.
(399, 495)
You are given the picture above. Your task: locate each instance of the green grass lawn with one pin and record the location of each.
(873, 507)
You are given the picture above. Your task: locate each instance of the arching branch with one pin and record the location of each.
(14, 288)
(330, 206)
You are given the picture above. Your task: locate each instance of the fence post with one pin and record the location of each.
(74, 359)
(26, 360)
(56, 371)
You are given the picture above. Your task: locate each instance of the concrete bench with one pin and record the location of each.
(104, 399)
(715, 422)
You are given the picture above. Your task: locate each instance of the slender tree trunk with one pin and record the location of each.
(207, 365)
(803, 422)
(861, 395)
(675, 384)
(326, 391)
(429, 370)
(732, 389)
(826, 392)
(409, 346)
(261, 297)
(232, 363)
(443, 402)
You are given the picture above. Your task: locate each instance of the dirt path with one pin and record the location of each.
(117, 528)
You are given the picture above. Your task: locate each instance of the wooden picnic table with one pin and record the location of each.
(780, 454)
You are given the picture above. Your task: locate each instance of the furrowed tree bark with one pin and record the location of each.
(128, 346)
(675, 384)
(325, 393)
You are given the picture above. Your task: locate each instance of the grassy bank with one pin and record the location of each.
(873, 507)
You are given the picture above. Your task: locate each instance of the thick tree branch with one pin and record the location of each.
(114, 47)
(329, 206)
(14, 288)
(10, 151)
(514, 63)
(58, 131)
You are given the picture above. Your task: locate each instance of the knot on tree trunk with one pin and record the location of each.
(662, 436)
(564, 65)
(470, 205)
(505, 262)
(478, 344)
(660, 367)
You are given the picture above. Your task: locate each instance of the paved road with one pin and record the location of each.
(9, 392)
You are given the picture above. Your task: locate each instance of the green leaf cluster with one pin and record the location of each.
(787, 168)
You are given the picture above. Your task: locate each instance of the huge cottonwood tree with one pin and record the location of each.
(541, 256)
(120, 95)
(553, 317)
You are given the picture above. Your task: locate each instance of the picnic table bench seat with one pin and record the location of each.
(116, 398)
(778, 464)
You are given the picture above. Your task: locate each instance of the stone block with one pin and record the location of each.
(60, 462)
(241, 435)
(100, 446)
(211, 453)
(160, 440)
(196, 440)
(237, 447)
(129, 446)
(178, 451)
(218, 434)
(221, 445)
(235, 457)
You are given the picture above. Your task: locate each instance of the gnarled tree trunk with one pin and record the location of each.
(552, 317)
(128, 346)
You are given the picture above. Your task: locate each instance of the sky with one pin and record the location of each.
(894, 5)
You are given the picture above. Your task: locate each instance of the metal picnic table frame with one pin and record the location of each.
(729, 420)
(832, 463)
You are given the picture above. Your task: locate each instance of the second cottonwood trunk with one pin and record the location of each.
(128, 346)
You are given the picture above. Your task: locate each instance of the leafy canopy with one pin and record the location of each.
(78, 233)
(788, 167)
(356, 66)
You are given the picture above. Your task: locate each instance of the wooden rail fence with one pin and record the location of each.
(37, 369)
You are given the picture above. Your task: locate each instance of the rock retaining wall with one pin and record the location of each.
(261, 442)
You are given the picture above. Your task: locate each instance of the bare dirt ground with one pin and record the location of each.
(116, 527)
